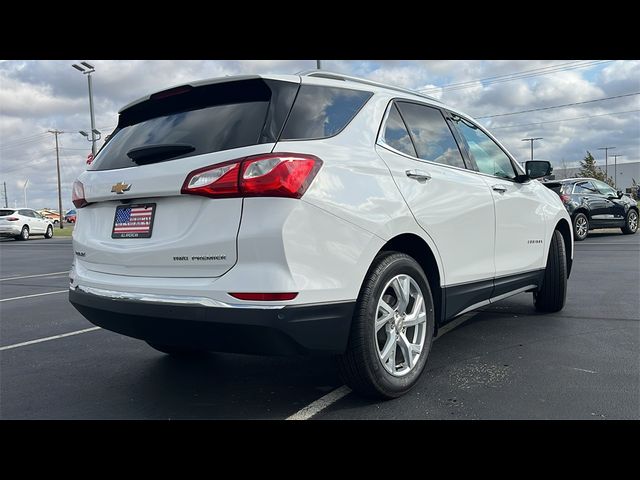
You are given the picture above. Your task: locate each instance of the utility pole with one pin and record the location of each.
(606, 159)
(61, 218)
(615, 172)
(6, 202)
(531, 140)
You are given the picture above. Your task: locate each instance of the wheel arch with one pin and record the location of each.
(417, 248)
(565, 230)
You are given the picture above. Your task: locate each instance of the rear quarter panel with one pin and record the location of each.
(354, 183)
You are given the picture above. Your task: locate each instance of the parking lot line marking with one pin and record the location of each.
(33, 276)
(40, 340)
(34, 295)
(316, 407)
(332, 397)
(583, 370)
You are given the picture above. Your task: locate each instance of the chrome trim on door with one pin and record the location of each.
(495, 299)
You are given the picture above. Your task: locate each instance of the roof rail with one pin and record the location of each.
(340, 76)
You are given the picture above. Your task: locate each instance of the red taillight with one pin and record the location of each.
(565, 198)
(278, 175)
(270, 175)
(265, 297)
(218, 181)
(77, 195)
(12, 219)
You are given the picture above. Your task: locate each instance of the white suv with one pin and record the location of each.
(311, 213)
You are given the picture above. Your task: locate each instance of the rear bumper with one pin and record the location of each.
(290, 330)
(10, 230)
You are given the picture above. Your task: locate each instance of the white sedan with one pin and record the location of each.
(24, 222)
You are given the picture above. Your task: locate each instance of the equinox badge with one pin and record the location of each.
(120, 188)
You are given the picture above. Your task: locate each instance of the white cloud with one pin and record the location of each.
(38, 95)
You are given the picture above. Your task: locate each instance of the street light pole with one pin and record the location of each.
(87, 69)
(606, 159)
(532, 140)
(93, 118)
(24, 192)
(319, 64)
(615, 172)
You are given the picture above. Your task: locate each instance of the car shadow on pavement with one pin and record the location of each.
(221, 386)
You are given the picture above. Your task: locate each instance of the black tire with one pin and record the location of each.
(176, 351)
(360, 366)
(24, 234)
(49, 233)
(579, 232)
(553, 292)
(631, 224)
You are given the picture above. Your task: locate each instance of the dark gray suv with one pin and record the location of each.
(593, 204)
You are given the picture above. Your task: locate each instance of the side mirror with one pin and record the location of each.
(620, 193)
(538, 168)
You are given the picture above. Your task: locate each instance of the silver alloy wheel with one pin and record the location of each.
(633, 221)
(401, 325)
(581, 226)
(25, 233)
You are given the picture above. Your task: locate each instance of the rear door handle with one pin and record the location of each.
(499, 188)
(419, 175)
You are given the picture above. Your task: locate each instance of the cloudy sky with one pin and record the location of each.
(36, 96)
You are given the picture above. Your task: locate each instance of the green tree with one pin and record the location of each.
(590, 169)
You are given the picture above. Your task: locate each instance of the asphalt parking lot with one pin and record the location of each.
(505, 362)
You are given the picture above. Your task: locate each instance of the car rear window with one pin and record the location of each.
(209, 118)
(4, 213)
(321, 112)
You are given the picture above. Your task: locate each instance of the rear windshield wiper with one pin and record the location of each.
(158, 152)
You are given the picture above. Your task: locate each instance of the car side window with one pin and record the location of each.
(585, 187)
(489, 157)
(604, 188)
(431, 135)
(24, 213)
(396, 135)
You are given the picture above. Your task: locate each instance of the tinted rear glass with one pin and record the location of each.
(4, 213)
(210, 118)
(321, 112)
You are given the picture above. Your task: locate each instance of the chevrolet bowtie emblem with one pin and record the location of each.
(120, 187)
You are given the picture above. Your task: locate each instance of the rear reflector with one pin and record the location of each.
(565, 198)
(77, 195)
(271, 175)
(265, 297)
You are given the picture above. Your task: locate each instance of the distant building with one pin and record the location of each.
(626, 173)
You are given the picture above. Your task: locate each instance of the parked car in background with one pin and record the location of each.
(312, 213)
(70, 217)
(593, 204)
(52, 215)
(24, 222)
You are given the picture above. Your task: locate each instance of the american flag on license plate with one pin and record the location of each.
(133, 220)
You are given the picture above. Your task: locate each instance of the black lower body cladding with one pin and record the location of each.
(292, 330)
